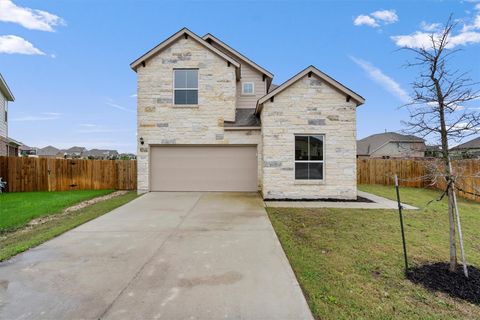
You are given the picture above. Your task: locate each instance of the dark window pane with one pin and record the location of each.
(316, 148)
(315, 171)
(301, 148)
(180, 97)
(192, 78)
(301, 171)
(180, 79)
(192, 96)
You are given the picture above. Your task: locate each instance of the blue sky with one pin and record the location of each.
(67, 62)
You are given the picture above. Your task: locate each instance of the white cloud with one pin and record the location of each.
(12, 44)
(111, 103)
(29, 18)
(133, 95)
(387, 16)
(45, 116)
(425, 26)
(365, 20)
(376, 18)
(469, 34)
(382, 79)
(422, 39)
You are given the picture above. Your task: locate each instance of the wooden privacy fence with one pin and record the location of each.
(45, 174)
(417, 173)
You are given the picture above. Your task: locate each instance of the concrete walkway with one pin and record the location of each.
(378, 203)
(162, 256)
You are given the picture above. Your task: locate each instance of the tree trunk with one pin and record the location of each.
(451, 220)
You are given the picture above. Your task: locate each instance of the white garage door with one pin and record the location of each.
(203, 168)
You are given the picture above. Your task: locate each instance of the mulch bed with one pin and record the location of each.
(359, 199)
(436, 277)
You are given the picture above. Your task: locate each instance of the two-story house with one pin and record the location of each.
(209, 119)
(7, 147)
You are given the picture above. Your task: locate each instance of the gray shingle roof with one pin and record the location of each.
(472, 144)
(244, 118)
(368, 145)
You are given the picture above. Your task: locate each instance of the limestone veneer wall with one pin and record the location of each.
(162, 122)
(309, 106)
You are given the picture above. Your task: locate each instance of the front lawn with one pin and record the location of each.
(349, 261)
(12, 243)
(18, 208)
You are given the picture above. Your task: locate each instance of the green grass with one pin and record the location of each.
(18, 208)
(349, 261)
(21, 240)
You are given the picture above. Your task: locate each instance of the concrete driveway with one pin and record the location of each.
(161, 256)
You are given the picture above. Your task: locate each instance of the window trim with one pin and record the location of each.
(183, 89)
(309, 161)
(243, 88)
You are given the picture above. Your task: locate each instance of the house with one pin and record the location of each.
(467, 150)
(49, 152)
(7, 147)
(390, 145)
(208, 120)
(101, 154)
(433, 151)
(74, 152)
(27, 151)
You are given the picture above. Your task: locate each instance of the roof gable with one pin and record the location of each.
(472, 144)
(308, 71)
(166, 43)
(237, 54)
(5, 90)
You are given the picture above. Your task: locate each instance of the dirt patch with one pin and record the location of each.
(436, 277)
(70, 210)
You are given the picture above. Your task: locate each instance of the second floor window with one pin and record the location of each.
(247, 88)
(185, 86)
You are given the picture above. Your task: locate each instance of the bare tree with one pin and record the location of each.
(437, 110)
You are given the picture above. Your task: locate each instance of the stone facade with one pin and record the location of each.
(309, 106)
(162, 122)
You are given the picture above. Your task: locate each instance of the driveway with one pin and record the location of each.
(161, 256)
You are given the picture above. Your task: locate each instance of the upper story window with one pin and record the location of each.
(248, 88)
(309, 151)
(185, 86)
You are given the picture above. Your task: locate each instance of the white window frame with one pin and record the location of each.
(248, 93)
(310, 161)
(184, 89)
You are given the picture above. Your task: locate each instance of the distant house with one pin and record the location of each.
(74, 152)
(467, 150)
(433, 151)
(8, 147)
(391, 145)
(100, 154)
(49, 152)
(27, 151)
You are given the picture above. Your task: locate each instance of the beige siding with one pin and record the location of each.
(247, 74)
(162, 123)
(309, 106)
(3, 126)
(3, 123)
(400, 150)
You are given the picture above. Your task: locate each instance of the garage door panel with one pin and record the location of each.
(203, 168)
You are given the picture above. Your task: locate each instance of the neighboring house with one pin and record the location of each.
(7, 147)
(74, 152)
(49, 152)
(433, 151)
(208, 121)
(101, 154)
(391, 145)
(467, 150)
(27, 151)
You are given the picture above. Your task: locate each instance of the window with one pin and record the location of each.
(248, 88)
(309, 157)
(185, 86)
